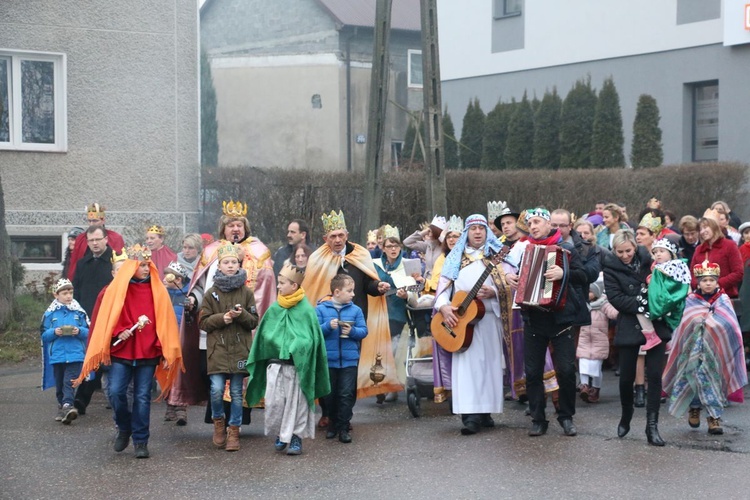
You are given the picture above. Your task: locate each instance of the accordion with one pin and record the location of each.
(534, 291)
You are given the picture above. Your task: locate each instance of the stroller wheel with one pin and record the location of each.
(412, 399)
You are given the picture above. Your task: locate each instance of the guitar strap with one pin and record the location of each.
(505, 295)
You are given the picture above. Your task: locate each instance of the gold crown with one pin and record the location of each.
(119, 257)
(706, 269)
(391, 232)
(62, 284)
(292, 273)
(228, 250)
(139, 253)
(156, 230)
(653, 224)
(372, 236)
(333, 221)
(234, 208)
(95, 210)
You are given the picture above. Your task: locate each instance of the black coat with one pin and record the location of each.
(92, 274)
(622, 285)
(363, 284)
(590, 260)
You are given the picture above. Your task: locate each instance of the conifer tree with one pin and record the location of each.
(450, 146)
(547, 132)
(519, 147)
(646, 150)
(607, 140)
(495, 136)
(209, 126)
(472, 134)
(577, 126)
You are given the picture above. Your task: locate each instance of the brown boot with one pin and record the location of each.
(233, 438)
(593, 395)
(220, 432)
(714, 426)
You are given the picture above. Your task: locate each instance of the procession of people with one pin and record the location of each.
(528, 306)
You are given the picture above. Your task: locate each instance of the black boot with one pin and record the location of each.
(640, 396)
(624, 426)
(652, 429)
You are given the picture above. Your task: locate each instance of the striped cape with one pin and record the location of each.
(707, 346)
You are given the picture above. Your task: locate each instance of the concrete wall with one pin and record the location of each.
(132, 114)
(667, 76)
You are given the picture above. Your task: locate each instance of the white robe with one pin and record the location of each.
(477, 373)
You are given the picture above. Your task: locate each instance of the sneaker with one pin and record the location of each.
(714, 426)
(279, 445)
(60, 414)
(345, 437)
(121, 441)
(295, 447)
(141, 450)
(69, 414)
(694, 417)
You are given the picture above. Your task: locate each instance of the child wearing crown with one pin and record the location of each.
(64, 330)
(228, 316)
(707, 362)
(288, 364)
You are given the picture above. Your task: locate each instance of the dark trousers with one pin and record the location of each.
(339, 403)
(654, 368)
(64, 375)
(87, 389)
(539, 331)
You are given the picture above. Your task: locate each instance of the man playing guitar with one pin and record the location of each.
(477, 374)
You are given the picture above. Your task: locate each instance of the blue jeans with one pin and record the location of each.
(218, 382)
(137, 420)
(64, 375)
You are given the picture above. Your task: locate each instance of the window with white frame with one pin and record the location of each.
(507, 8)
(415, 69)
(33, 101)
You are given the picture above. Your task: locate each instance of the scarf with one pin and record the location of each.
(452, 264)
(387, 267)
(228, 283)
(100, 337)
(553, 238)
(287, 301)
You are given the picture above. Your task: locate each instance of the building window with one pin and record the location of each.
(507, 8)
(33, 101)
(37, 249)
(706, 121)
(415, 69)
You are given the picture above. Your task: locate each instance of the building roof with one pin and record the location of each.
(404, 13)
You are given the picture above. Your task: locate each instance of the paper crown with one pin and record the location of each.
(455, 224)
(495, 209)
(119, 257)
(156, 230)
(391, 232)
(439, 222)
(653, 224)
(372, 236)
(95, 210)
(292, 273)
(521, 222)
(706, 269)
(711, 213)
(139, 253)
(537, 212)
(665, 244)
(234, 208)
(228, 250)
(176, 269)
(62, 284)
(333, 221)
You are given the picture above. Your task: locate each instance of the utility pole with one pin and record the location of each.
(376, 119)
(433, 110)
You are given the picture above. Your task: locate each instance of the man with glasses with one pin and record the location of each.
(94, 217)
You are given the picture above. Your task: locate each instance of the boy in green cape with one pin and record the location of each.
(288, 364)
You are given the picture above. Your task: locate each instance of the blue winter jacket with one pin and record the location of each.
(65, 348)
(178, 298)
(342, 352)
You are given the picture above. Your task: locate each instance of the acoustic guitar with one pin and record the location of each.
(470, 311)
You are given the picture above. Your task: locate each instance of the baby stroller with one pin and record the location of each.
(419, 380)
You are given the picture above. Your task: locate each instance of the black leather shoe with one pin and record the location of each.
(122, 440)
(345, 437)
(470, 427)
(141, 450)
(487, 421)
(331, 433)
(538, 429)
(569, 429)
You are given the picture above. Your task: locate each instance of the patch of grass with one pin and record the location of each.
(21, 339)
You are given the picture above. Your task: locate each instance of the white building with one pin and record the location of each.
(692, 56)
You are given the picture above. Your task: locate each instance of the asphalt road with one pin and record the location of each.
(393, 455)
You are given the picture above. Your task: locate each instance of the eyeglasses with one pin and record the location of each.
(392, 246)
(96, 240)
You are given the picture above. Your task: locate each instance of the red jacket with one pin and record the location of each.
(745, 252)
(724, 252)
